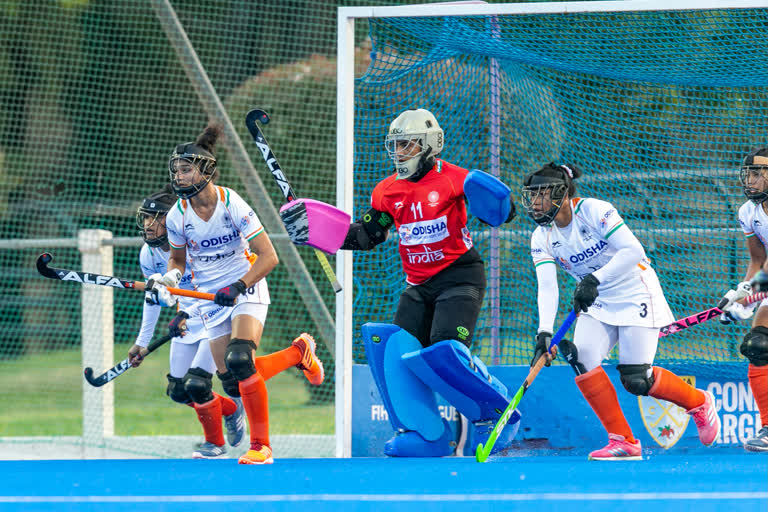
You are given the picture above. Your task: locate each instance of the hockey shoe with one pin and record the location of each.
(618, 449)
(310, 364)
(759, 443)
(258, 454)
(209, 451)
(235, 424)
(706, 419)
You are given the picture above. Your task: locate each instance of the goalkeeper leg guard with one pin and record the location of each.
(448, 368)
(410, 404)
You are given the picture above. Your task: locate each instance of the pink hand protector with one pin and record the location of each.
(316, 224)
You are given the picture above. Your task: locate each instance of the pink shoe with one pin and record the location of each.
(706, 419)
(618, 449)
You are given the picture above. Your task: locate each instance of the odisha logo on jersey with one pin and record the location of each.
(220, 240)
(589, 252)
(423, 232)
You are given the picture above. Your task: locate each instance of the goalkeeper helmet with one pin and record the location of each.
(544, 192)
(413, 141)
(753, 175)
(151, 215)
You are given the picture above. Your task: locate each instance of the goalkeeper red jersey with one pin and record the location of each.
(430, 217)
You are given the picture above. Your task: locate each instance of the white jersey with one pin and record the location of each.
(217, 249)
(754, 221)
(583, 247)
(154, 260)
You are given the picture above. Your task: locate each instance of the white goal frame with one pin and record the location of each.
(345, 101)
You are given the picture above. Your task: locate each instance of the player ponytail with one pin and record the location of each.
(199, 153)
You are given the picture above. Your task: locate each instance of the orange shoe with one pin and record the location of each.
(258, 454)
(310, 364)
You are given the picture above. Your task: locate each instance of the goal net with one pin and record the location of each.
(657, 107)
(94, 96)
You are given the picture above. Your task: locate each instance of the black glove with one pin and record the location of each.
(543, 339)
(585, 293)
(175, 327)
(227, 295)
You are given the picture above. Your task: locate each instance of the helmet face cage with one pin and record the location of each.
(543, 193)
(204, 164)
(157, 217)
(411, 127)
(749, 174)
(404, 143)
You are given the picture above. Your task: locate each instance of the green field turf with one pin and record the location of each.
(42, 396)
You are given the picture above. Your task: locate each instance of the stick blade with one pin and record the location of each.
(95, 382)
(257, 115)
(480, 455)
(42, 266)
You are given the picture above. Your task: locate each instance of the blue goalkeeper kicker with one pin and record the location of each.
(483, 452)
(420, 431)
(488, 197)
(464, 381)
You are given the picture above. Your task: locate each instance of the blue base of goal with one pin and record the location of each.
(557, 417)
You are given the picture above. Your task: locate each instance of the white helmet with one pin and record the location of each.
(413, 127)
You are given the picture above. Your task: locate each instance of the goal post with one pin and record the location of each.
(656, 102)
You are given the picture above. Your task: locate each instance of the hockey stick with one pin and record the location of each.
(277, 172)
(703, 316)
(115, 282)
(121, 367)
(482, 452)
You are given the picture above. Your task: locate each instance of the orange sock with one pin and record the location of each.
(209, 415)
(668, 386)
(228, 406)
(272, 364)
(758, 381)
(601, 395)
(253, 391)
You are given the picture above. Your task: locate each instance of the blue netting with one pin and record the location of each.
(657, 109)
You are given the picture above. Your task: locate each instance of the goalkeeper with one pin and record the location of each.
(753, 217)
(427, 348)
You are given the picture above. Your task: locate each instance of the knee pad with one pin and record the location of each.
(636, 378)
(176, 390)
(198, 385)
(229, 383)
(239, 358)
(755, 346)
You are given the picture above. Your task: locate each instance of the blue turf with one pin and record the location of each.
(668, 482)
